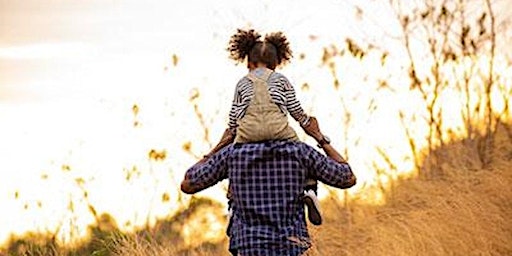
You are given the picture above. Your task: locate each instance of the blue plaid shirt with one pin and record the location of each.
(267, 180)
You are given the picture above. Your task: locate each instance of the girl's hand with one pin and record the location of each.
(313, 129)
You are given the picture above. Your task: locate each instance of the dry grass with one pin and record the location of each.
(463, 210)
(137, 246)
(457, 215)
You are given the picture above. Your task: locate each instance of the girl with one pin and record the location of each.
(263, 98)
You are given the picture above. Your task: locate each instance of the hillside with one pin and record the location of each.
(463, 210)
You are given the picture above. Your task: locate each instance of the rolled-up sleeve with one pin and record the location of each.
(326, 170)
(204, 175)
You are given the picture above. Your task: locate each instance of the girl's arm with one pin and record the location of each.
(241, 100)
(292, 103)
(227, 138)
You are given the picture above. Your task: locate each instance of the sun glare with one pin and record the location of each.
(129, 96)
(44, 51)
(204, 226)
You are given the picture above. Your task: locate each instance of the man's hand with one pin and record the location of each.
(227, 138)
(313, 130)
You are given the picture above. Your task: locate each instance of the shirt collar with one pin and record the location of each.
(259, 72)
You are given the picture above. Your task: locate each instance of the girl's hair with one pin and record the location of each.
(273, 51)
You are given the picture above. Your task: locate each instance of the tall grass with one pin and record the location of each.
(465, 210)
(461, 210)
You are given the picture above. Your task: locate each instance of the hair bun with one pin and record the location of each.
(284, 53)
(241, 44)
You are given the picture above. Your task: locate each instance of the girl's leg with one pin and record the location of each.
(311, 201)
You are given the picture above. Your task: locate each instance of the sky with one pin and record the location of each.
(71, 72)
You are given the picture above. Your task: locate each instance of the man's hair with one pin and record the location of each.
(273, 51)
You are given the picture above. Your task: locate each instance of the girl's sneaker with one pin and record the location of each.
(311, 201)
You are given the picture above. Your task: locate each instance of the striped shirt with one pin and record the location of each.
(281, 91)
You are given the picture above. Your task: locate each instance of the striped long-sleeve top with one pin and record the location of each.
(281, 91)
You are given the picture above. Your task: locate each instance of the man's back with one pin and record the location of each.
(267, 180)
(266, 184)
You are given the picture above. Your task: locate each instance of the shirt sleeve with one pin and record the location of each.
(292, 103)
(209, 173)
(326, 170)
(241, 100)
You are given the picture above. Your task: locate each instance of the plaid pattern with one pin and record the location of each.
(266, 182)
(293, 251)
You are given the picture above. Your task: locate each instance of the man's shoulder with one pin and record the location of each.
(301, 146)
(286, 145)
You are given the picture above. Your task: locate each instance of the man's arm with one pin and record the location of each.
(313, 130)
(228, 137)
(335, 171)
(206, 173)
(327, 170)
(187, 187)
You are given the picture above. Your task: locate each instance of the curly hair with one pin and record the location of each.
(279, 41)
(241, 43)
(273, 51)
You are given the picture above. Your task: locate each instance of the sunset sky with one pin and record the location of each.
(71, 71)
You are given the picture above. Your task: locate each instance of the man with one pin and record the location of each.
(266, 184)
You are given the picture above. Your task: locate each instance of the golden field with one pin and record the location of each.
(460, 209)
